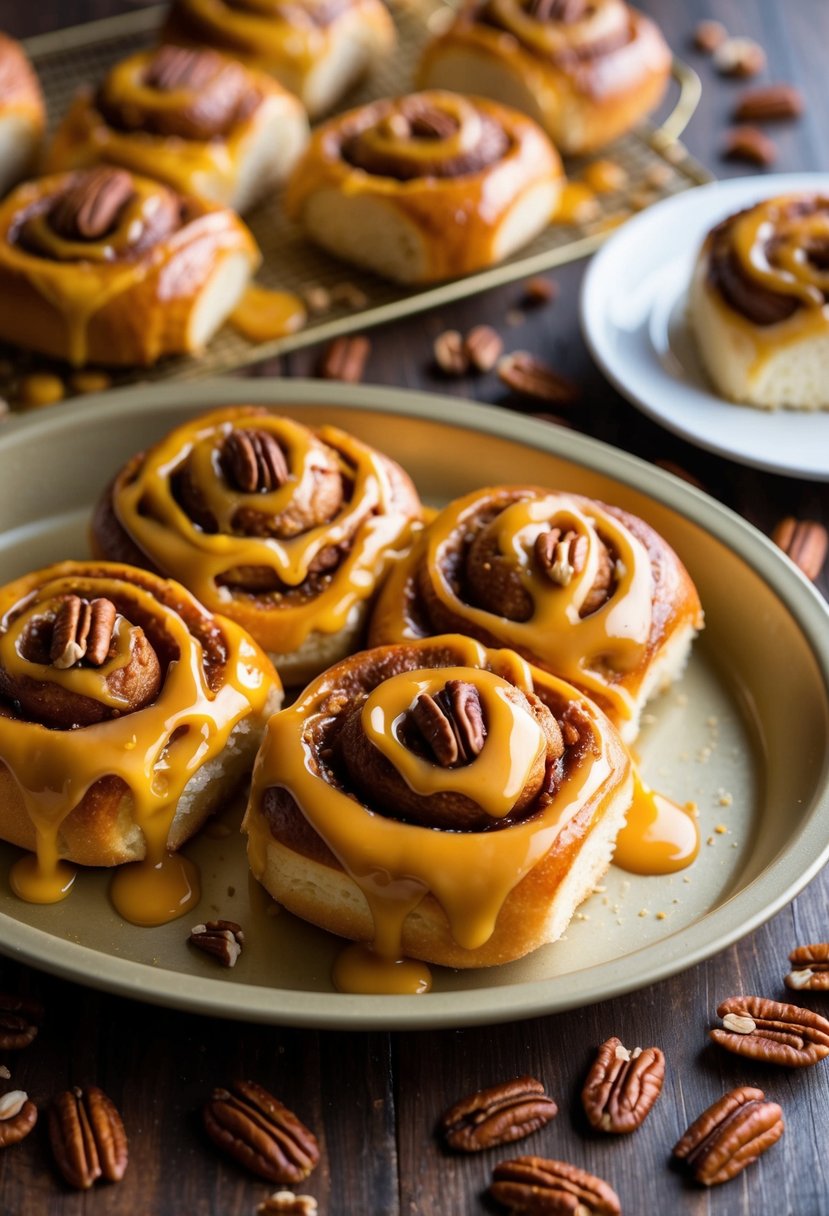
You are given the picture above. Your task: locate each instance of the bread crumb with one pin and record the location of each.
(725, 799)
(661, 915)
(644, 912)
(721, 829)
(710, 840)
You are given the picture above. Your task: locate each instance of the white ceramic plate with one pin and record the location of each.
(726, 737)
(633, 314)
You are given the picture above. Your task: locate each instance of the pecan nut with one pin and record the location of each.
(428, 122)
(82, 630)
(750, 144)
(18, 1115)
(345, 359)
(223, 939)
(451, 723)
(770, 102)
(708, 35)
(87, 1137)
(810, 967)
(772, 1031)
(254, 1128)
(20, 1020)
(559, 555)
(730, 1135)
(90, 208)
(622, 1086)
(497, 1115)
(531, 377)
(739, 57)
(288, 1204)
(804, 541)
(179, 67)
(483, 346)
(450, 356)
(537, 1186)
(253, 461)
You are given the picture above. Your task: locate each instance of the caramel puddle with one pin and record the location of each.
(659, 837)
(262, 315)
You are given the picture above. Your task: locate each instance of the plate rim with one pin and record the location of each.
(592, 313)
(710, 934)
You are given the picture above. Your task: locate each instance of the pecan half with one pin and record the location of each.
(451, 723)
(708, 35)
(804, 541)
(537, 1186)
(483, 346)
(428, 122)
(810, 967)
(531, 377)
(749, 144)
(622, 1086)
(89, 209)
(179, 67)
(345, 359)
(772, 1031)
(769, 102)
(18, 1115)
(87, 1137)
(739, 57)
(82, 629)
(560, 556)
(450, 356)
(497, 1115)
(253, 461)
(221, 938)
(730, 1135)
(539, 291)
(288, 1204)
(254, 1128)
(20, 1020)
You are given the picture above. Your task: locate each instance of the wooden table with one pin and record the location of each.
(373, 1098)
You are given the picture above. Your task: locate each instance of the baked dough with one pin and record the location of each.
(22, 114)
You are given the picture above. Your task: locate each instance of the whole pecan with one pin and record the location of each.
(254, 1128)
(89, 209)
(221, 938)
(559, 555)
(622, 1086)
(537, 1186)
(82, 630)
(87, 1137)
(772, 1031)
(451, 723)
(20, 1020)
(810, 967)
(253, 461)
(729, 1136)
(18, 1115)
(531, 377)
(497, 1115)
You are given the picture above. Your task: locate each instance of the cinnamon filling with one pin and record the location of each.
(300, 14)
(564, 32)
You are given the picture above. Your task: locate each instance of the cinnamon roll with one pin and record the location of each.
(286, 530)
(435, 800)
(106, 267)
(317, 49)
(760, 304)
(582, 589)
(425, 187)
(127, 715)
(586, 70)
(22, 114)
(192, 118)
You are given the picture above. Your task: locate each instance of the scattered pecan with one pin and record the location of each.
(87, 1137)
(497, 1115)
(254, 1128)
(739, 57)
(772, 1031)
(537, 1186)
(560, 556)
(349, 294)
(18, 1115)
(483, 346)
(253, 461)
(730, 1135)
(709, 35)
(288, 1204)
(769, 102)
(450, 356)
(221, 938)
(4, 1073)
(749, 144)
(451, 723)
(318, 299)
(810, 967)
(622, 1086)
(82, 630)
(345, 359)
(20, 1020)
(531, 377)
(538, 291)
(92, 204)
(804, 541)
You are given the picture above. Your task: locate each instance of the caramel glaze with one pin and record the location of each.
(263, 315)
(278, 564)
(483, 545)
(79, 750)
(767, 269)
(302, 797)
(659, 837)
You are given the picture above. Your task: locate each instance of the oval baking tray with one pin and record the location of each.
(726, 737)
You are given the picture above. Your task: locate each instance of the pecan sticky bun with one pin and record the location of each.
(760, 303)
(582, 589)
(425, 187)
(286, 530)
(439, 801)
(102, 266)
(192, 118)
(586, 70)
(317, 49)
(127, 714)
(22, 114)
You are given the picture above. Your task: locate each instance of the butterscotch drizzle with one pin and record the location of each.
(659, 837)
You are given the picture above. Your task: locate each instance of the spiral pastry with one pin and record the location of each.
(760, 303)
(285, 530)
(192, 118)
(425, 187)
(437, 800)
(22, 114)
(127, 714)
(582, 589)
(586, 70)
(318, 49)
(102, 266)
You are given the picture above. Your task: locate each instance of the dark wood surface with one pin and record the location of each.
(374, 1098)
